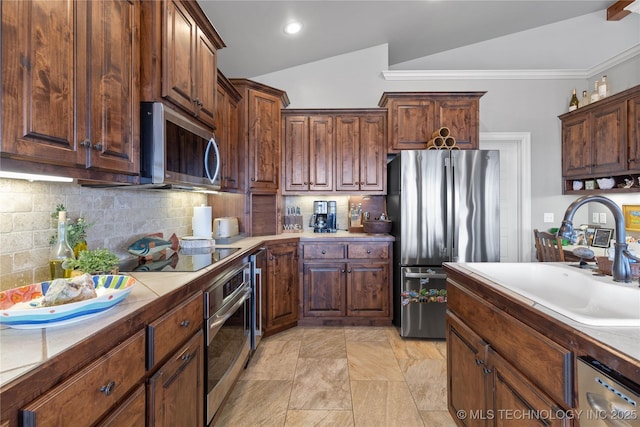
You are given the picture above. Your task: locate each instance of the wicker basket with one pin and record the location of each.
(605, 264)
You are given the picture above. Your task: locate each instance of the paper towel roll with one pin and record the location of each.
(201, 222)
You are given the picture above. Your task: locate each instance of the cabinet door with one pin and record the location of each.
(282, 286)
(108, 99)
(373, 156)
(226, 124)
(296, 153)
(634, 134)
(347, 130)
(321, 153)
(609, 138)
(517, 402)
(176, 391)
(412, 123)
(576, 146)
(264, 140)
(179, 56)
(368, 289)
(38, 82)
(205, 79)
(323, 289)
(461, 116)
(467, 384)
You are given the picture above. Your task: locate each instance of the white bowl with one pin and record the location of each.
(606, 183)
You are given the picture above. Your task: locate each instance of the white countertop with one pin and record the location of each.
(22, 350)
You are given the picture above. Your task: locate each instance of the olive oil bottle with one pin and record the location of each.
(60, 250)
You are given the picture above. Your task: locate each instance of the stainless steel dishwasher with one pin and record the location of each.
(605, 397)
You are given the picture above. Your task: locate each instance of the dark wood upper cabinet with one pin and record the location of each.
(413, 117)
(179, 47)
(227, 133)
(70, 87)
(259, 122)
(602, 140)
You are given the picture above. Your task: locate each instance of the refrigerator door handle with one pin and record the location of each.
(425, 276)
(448, 179)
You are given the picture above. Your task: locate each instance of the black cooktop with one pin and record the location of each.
(182, 261)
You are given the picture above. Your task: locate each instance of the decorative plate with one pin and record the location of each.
(20, 307)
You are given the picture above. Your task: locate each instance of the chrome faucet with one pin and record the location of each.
(620, 270)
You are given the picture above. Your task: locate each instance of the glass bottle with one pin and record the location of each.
(60, 250)
(573, 104)
(595, 95)
(603, 88)
(585, 99)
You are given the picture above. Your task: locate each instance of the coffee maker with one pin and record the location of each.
(323, 219)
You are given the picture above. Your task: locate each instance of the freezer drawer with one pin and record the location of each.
(423, 302)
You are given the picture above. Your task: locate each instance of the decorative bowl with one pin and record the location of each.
(377, 226)
(21, 307)
(606, 183)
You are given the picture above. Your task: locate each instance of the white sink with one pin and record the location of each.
(573, 292)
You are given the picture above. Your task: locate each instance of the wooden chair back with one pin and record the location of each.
(548, 246)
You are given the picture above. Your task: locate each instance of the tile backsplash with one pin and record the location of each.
(118, 218)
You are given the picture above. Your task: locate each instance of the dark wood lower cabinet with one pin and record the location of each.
(280, 304)
(175, 394)
(130, 413)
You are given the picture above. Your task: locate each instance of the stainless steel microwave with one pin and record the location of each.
(176, 152)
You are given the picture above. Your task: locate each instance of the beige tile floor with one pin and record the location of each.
(341, 376)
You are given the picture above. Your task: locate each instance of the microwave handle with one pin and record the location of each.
(212, 143)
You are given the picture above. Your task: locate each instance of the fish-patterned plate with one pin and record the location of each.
(21, 308)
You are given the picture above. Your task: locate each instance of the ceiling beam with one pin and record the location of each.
(616, 11)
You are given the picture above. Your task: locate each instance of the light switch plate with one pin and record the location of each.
(603, 217)
(595, 218)
(548, 217)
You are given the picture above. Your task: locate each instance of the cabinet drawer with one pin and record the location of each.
(130, 413)
(368, 250)
(173, 329)
(89, 394)
(324, 251)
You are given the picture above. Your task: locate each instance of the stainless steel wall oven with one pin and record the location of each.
(228, 322)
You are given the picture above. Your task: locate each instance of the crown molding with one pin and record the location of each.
(550, 74)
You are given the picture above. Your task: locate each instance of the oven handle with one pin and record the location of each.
(217, 320)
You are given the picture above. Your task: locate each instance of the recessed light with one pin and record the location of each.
(293, 27)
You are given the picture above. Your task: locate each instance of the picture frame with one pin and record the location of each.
(602, 237)
(631, 217)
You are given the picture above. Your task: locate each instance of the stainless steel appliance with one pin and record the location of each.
(227, 312)
(258, 268)
(606, 398)
(324, 218)
(444, 205)
(175, 151)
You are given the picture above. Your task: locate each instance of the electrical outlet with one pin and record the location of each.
(595, 218)
(603, 217)
(548, 217)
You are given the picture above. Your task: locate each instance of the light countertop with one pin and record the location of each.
(22, 350)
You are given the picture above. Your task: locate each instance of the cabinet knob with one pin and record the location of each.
(342, 271)
(361, 182)
(98, 147)
(86, 143)
(368, 251)
(324, 252)
(185, 323)
(107, 389)
(479, 362)
(349, 271)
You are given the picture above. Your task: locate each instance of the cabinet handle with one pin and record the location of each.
(86, 143)
(349, 271)
(107, 389)
(324, 252)
(98, 147)
(486, 371)
(185, 323)
(186, 357)
(479, 362)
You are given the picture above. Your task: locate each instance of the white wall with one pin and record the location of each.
(355, 81)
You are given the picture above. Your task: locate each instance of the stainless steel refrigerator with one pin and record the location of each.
(445, 207)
